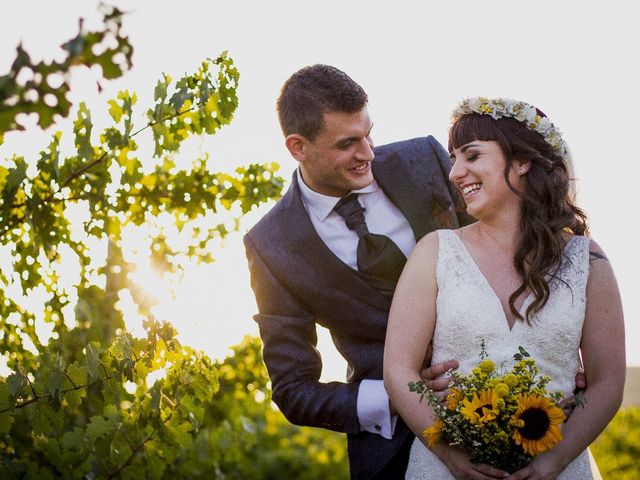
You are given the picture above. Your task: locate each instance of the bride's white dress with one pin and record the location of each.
(468, 311)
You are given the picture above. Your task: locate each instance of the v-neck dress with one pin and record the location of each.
(468, 312)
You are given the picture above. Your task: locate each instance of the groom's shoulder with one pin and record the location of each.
(272, 223)
(410, 151)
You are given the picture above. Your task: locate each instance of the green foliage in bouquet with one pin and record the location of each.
(501, 418)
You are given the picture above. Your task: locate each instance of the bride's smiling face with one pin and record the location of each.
(478, 172)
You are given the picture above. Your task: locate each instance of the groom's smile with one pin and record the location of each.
(339, 159)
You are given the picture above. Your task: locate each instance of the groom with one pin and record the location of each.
(314, 261)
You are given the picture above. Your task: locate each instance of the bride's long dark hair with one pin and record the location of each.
(547, 208)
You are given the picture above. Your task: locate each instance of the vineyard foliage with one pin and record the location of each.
(617, 449)
(84, 398)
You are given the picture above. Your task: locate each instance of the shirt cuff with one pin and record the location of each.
(373, 409)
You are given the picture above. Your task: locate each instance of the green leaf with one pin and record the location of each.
(55, 379)
(44, 419)
(77, 374)
(5, 400)
(121, 348)
(580, 398)
(523, 352)
(6, 420)
(156, 394)
(99, 426)
(16, 174)
(160, 92)
(4, 173)
(115, 110)
(73, 440)
(179, 432)
(74, 398)
(93, 361)
(155, 463)
(82, 127)
(15, 381)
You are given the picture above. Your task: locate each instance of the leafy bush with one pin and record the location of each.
(617, 449)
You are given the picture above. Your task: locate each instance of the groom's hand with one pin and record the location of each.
(439, 385)
(577, 399)
(581, 381)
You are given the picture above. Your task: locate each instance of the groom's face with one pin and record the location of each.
(339, 159)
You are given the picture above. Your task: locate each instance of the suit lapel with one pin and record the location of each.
(303, 239)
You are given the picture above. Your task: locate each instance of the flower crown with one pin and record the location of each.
(521, 111)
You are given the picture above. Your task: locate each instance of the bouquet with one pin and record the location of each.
(501, 418)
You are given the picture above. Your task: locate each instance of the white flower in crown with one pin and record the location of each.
(530, 115)
(521, 111)
(513, 108)
(545, 125)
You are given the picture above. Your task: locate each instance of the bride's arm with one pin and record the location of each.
(409, 332)
(410, 329)
(603, 355)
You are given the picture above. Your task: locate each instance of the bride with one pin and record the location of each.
(525, 274)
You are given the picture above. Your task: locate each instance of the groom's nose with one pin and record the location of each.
(365, 150)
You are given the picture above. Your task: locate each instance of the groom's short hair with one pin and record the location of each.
(313, 91)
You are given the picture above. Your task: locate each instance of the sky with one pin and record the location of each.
(575, 60)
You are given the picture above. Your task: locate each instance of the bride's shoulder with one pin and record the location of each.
(586, 246)
(580, 241)
(429, 244)
(429, 241)
(425, 247)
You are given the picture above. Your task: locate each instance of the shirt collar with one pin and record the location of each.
(322, 205)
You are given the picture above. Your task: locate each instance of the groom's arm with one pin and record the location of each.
(289, 338)
(375, 412)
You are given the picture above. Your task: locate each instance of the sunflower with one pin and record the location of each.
(482, 408)
(537, 423)
(433, 432)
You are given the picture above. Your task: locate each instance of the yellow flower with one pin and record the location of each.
(537, 422)
(501, 389)
(433, 433)
(487, 366)
(454, 398)
(510, 379)
(482, 408)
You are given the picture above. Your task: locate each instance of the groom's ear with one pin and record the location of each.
(297, 146)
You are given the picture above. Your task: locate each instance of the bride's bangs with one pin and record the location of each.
(473, 127)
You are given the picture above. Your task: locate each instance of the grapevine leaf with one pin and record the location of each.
(93, 361)
(6, 420)
(15, 381)
(99, 426)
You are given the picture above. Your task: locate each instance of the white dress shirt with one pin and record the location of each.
(382, 217)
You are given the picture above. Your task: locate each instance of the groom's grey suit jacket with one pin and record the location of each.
(299, 282)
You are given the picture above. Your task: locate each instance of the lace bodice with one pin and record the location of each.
(468, 311)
